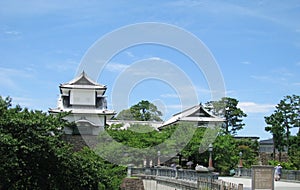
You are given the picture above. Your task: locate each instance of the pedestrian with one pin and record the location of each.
(278, 171)
(189, 164)
(173, 166)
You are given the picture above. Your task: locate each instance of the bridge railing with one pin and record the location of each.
(184, 174)
(193, 179)
(286, 174)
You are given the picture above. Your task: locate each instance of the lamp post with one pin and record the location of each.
(179, 159)
(240, 166)
(241, 161)
(158, 158)
(210, 162)
(129, 170)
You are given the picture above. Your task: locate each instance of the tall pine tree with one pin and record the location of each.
(227, 108)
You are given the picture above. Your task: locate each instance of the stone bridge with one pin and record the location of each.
(174, 179)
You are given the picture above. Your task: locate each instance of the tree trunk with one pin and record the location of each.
(274, 149)
(287, 137)
(279, 156)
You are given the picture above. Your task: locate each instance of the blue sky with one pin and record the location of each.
(255, 43)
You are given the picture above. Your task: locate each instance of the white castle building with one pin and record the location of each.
(85, 100)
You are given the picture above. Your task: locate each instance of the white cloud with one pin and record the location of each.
(156, 58)
(252, 107)
(283, 72)
(230, 92)
(183, 96)
(9, 77)
(12, 32)
(246, 62)
(23, 102)
(262, 77)
(253, 9)
(116, 67)
(33, 103)
(9, 32)
(30, 7)
(64, 66)
(278, 76)
(169, 96)
(7, 82)
(175, 108)
(153, 67)
(185, 3)
(203, 94)
(204, 90)
(129, 54)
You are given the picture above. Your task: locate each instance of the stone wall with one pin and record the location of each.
(132, 184)
(80, 141)
(266, 156)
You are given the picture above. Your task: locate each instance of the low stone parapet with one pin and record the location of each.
(291, 175)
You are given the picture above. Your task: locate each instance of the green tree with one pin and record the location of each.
(142, 111)
(105, 174)
(285, 117)
(192, 150)
(225, 151)
(136, 140)
(227, 108)
(275, 127)
(249, 149)
(289, 107)
(33, 156)
(125, 115)
(294, 153)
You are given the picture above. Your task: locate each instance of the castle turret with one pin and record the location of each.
(85, 100)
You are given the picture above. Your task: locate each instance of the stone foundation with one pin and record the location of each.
(132, 184)
(80, 141)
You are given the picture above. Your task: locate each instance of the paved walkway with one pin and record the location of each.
(279, 185)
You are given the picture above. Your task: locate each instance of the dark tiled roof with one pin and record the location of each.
(267, 141)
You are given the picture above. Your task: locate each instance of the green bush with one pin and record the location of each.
(285, 165)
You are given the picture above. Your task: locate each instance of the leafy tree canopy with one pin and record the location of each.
(225, 153)
(33, 156)
(142, 111)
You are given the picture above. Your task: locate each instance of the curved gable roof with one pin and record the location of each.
(82, 81)
(194, 114)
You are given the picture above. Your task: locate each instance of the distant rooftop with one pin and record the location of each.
(194, 114)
